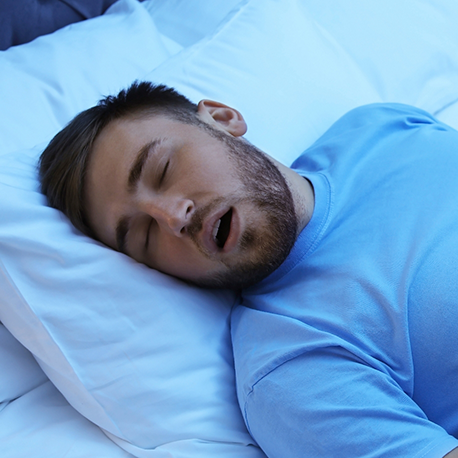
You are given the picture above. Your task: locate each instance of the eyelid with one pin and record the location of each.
(164, 172)
(148, 230)
(122, 230)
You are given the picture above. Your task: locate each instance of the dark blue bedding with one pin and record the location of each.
(23, 20)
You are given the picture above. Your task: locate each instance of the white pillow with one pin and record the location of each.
(30, 403)
(294, 67)
(187, 22)
(143, 355)
(45, 83)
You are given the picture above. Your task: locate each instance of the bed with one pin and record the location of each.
(99, 355)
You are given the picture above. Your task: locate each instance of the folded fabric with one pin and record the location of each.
(41, 423)
(22, 21)
(188, 22)
(20, 372)
(292, 67)
(43, 84)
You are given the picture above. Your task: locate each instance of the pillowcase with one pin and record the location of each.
(142, 355)
(29, 402)
(45, 83)
(292, 67)
(407, 49)
(188, 22)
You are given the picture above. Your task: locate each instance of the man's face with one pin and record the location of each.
(193, 202)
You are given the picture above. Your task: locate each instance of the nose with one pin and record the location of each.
(171, 213)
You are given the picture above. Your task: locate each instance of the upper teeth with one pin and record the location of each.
(216, 228)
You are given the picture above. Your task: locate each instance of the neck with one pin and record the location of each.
(302, 192)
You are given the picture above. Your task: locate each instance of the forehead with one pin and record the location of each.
(118, 144)
(128, 132)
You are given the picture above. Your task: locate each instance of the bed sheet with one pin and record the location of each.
(35, 419)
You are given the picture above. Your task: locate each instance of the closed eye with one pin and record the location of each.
(164, 172)
(148, 230)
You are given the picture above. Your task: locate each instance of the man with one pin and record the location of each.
(345, 340)
(168, 183)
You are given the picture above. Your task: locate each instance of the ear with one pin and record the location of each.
(222, 117)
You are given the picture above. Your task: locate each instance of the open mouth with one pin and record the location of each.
(222, 229)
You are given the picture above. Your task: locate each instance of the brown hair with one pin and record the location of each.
(64, 162)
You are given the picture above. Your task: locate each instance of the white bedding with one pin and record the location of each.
(109, 358)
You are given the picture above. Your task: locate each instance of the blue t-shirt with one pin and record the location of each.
(350, 348)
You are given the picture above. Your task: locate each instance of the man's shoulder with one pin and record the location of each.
(361, 126)
(381, 113)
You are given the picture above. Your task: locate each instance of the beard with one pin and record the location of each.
(264, 248)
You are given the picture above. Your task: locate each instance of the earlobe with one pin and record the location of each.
(222, 117)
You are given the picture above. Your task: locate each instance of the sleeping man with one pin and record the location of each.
(345, 338)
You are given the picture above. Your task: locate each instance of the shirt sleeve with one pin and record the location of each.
(328, 403)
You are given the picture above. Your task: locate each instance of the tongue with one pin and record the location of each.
(224, 229)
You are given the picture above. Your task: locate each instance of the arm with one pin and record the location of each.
(330, 403)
